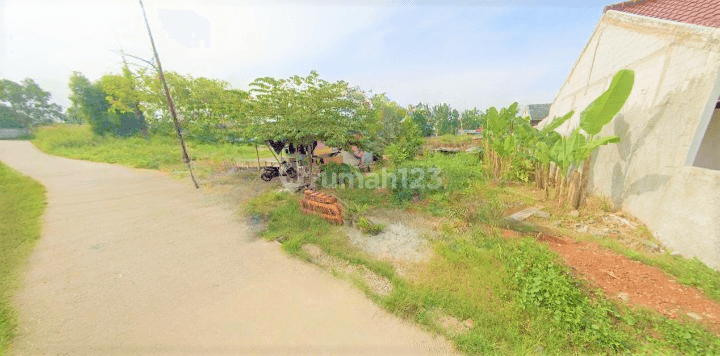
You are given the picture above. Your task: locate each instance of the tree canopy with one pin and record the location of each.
(301, 110)
(25, 104)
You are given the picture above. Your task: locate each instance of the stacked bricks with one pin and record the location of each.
(323, 205)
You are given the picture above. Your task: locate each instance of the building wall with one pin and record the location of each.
(677, 84)
(13, 133)
(709, 152)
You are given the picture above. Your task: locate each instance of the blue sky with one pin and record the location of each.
(468, 54)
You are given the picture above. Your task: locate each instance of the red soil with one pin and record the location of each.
(644, 285)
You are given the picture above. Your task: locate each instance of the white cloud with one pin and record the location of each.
(47, 40)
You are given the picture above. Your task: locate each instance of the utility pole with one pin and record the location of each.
(185, 156)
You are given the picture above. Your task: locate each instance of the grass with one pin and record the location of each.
(516, 294)
(23, 203)
(519, 298)
(449, 141)
(156, 152)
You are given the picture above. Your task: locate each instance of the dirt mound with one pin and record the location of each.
(636, 283)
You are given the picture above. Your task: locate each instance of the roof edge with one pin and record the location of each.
(624, 5)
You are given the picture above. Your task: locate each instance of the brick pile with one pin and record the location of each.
(323, 205)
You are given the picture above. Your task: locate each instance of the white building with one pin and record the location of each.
(666, 169)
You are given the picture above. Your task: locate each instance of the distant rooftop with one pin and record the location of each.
(696, 12)
(539, 111)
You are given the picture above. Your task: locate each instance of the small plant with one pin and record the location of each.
(369, 227)
(353, 212)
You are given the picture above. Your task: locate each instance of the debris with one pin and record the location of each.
(555, 223)
(624, 297)
(675, 253)
(651, 245)
(621, 221)
(609, 273)
(583, 229)
(523, 214)
(574, 213)
(694, 316)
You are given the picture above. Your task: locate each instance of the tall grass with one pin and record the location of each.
(155, 152)
(22, 203)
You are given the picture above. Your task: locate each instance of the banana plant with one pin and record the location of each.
(598, 114)
(570, 151)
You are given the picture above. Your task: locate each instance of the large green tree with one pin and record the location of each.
(89, 103)
(382, 123)
(302, 110)
(125, 99)
(471, 119)
(209, 109)
(26, 105)
(421, 115)
(445, 119)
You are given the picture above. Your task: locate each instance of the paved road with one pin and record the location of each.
(132, 262)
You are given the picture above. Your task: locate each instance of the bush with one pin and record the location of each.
(334, 175)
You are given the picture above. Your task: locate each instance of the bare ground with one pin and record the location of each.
(133, 262)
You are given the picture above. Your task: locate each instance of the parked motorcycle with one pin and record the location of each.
(285, 169)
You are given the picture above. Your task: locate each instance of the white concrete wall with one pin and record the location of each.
(12, 133)
(677, 83)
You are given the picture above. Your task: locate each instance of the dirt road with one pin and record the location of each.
(132, 262)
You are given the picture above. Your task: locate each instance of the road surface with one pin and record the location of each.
(132, 262)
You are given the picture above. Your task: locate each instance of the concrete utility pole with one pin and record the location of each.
(185, 156)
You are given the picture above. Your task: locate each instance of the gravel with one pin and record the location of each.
(397, 242)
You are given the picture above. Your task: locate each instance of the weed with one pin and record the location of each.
(369, 227)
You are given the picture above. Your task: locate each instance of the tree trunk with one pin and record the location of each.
(584, 181)
(258, 156)
(546, 179)
(573, 189)
(309, 152)
(559, 185)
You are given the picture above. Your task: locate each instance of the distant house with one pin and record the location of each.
(478, 131)
(6, 134)
(536, 113)
(666, 169)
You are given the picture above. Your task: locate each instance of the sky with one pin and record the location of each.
(473, 53)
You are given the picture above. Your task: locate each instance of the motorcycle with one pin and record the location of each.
(285, 169)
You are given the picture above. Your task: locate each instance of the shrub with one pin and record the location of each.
(334, 175)
(369, 227)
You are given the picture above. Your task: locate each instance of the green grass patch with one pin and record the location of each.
(23, 202)
(155, 152)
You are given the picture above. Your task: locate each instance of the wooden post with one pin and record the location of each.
(185, 156)
(258, 156)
